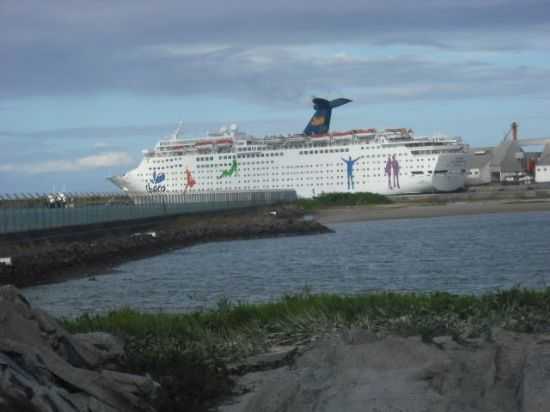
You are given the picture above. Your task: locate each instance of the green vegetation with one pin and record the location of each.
(343, 199)
(189, 352)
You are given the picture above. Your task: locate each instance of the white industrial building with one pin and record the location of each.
(493, 165)
(477, 166)
(542, 169)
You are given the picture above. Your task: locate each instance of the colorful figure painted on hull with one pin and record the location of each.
(189, 180)
(387, 171)
(395, 171)
(231, 171)
(392, 170)
(350, 163)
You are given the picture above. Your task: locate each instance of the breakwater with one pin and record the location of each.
(53, 258)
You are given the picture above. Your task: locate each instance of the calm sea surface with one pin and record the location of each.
(466, 254)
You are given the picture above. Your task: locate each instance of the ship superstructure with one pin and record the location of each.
(388, 161)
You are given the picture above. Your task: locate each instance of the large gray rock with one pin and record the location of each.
(360, 372)
(535, 394)
(44, 368)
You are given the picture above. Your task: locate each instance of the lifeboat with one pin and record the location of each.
(339, 136)
(224, 142)
(400, 130)
(203, 145)
(371, 130)
(320, 138)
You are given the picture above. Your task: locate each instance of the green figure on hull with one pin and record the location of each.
(231, 171)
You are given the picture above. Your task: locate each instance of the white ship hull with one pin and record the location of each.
(379, 166)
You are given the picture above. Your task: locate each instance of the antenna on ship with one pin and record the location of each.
(178, 130)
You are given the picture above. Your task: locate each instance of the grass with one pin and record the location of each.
(343, 199)
(188, 352)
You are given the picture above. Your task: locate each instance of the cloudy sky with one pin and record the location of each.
(85, 85)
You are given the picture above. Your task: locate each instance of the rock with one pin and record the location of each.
(535, 388)
(110, 347)
(45, 369)
(276, 357)
(359, 371)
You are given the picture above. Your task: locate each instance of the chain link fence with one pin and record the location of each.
(20, 213)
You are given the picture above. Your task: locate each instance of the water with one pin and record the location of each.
(465, 254)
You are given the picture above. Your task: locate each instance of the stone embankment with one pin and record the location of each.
(45, 369)
(363, 372)
(48, 259)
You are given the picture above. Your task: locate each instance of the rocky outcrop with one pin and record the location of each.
(43, 368)
(359, 371)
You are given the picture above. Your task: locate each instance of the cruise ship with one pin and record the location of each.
(385, 161)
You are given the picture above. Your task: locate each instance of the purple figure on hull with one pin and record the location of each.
(395, 170)
(387, 171)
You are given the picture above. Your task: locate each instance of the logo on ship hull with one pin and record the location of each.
(156, 183)
(318, 120)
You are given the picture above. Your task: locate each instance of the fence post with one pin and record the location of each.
(3, 220)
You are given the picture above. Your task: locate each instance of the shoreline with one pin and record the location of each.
(268, 356)
(405, 210)
(46, 261)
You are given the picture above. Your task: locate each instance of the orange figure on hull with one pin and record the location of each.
(190, 181)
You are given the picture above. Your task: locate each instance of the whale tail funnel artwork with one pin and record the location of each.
(320, 122)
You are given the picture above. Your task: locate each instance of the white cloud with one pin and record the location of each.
(175, 50)
(102, 145)
(98, 161)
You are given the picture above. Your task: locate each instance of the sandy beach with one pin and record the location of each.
(410, 210)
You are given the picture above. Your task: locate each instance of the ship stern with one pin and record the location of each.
(449, 173)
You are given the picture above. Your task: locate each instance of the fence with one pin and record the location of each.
(19, 213)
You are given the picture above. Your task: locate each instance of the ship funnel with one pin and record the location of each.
(320, 122)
